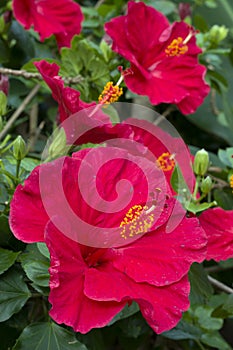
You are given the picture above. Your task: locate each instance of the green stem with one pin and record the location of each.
(200, 198)
(196, 187)
(200, 345)
(17, 168)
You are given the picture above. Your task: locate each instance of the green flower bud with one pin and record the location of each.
(201, 162)
(206, 185)
(58, 145)
(217, 34)
(19, 148)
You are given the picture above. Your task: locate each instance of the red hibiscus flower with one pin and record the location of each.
(163, 57)
(62, 18)
(218, 225)
(69, 103)
(145, 263)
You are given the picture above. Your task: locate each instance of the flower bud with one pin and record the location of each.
(217, 34)
(184, 10)
(58, 145)
(19, 148)
(4, 84)
(201, 162)
(206, 185)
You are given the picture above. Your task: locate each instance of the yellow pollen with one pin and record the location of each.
(176, 48)
(166, 161)
(136, 221)
(231, 181)
(110, 94)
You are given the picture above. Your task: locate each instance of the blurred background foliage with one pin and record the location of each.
(24, 322)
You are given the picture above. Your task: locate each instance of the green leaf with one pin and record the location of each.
(7, 259)
(224, 198)
(228, 305)
(42, 336)
(224, 157)
(42, 247)
(126, 312)
(215, 340)
(38, 272)
(35, 265)
(87, 59)
(196, 208)
(207, 121)
(3, 103)
(6, 234)
(201, 289)
(166, 7)
(183, 330)
(178, 182)
(13, 294)
(205, 320)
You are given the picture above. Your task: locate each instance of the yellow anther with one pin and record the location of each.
(136, 221)
(110, 94)
(231, 181)
(177, 47)
(166, 161)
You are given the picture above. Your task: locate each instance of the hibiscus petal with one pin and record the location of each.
(218, 225)
(62, 18)
(161, 258)
(162, 307)
(66, 97)
(28, 217)
(69, 304)
(174, 77)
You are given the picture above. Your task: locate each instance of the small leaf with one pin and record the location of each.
(201, 289)
(226, 156)
(42, 247)
(224, 198)
(7, 259)
(196, 208)
(13, 294)
(183, 330)
(178, 182)
(215, 340)
(35, 265)
(205, 319)
(228, 305)
(41, 336)
(166, 7)
(126, 312)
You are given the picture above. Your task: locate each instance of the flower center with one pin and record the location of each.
(137, 220)
(110, 94)
(177, 47)
(166, 161)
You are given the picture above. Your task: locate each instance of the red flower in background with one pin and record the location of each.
(4, 84)
(218, 225)
(62, 18)
(163, 57)
(69, 103)
(89, 281)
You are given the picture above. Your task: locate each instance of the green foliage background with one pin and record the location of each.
(24, 320)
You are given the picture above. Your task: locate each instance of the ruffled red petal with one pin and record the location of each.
(218, 225)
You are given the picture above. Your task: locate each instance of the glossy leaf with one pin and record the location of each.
(41, 336)
(13, 294)
(7, 259)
